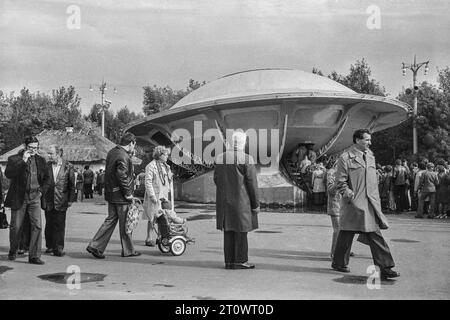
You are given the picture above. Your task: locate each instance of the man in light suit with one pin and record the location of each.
(356, 181)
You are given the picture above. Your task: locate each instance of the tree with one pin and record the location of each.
(30, 113)
(158, 99)
(317, 71)
(359, 79)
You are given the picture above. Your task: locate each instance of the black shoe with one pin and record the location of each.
(20, 252)
(59, 253)
(352, 254)
(418, 217)
(12, 256)
(49, 250)
(36, 261)
(229, 266)
(244, 265)
(134, 254)
(340, 268)
(95, 252)
(389, 273)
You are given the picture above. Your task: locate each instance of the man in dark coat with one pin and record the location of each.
(29, 181)
(88, 179)
(237, 203)
(356, 181)
(100, 181)
(119, 194)
(58, 199)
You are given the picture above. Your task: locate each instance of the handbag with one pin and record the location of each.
(3, 220)
(134, 212)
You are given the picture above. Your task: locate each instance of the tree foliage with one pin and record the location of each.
(157, 99)
(30, 113)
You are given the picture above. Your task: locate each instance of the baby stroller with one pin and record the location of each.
(171, 237)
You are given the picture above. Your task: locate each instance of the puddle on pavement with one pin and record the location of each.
(203, 298)
(89, 212)
(201, 217)
(267, 231)
(163, 285)
(404, 240)
(3, 269)
(62, 277)
(361, 280)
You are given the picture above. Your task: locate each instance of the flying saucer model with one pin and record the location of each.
(290, 106)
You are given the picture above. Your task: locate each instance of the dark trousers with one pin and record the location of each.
(381, 254)
(55, 229)
(25, 234)
(100, 188)
(88, 192)
(401, 202)
(32, 208)
(116, 212)
(235, 247)
(422, 197)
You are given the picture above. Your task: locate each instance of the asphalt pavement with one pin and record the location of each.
(291, 252)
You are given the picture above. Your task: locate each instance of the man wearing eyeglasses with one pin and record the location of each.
(29, 181)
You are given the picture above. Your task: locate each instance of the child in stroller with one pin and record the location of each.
(172, 230)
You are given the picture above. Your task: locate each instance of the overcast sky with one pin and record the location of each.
(166, 42)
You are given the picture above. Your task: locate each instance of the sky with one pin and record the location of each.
(45, 44)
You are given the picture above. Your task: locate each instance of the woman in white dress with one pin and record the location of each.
(158, 184)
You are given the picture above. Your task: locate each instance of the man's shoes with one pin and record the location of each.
(134, 254)
(229, 266)
(150, 243)
(340, 268)
(430, 217)
(244, 265)
(49, 250)
(36, 261)
(389, 273)
(418, 217)
(59, 253)
(20, 252)
(12, 256)
(95, 252)
(352, 254)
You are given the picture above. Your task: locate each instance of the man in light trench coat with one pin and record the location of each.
(360, 211)
(237, 203)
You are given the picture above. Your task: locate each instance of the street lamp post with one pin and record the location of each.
(105, 103)
(414, 68)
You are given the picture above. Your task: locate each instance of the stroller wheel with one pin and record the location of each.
(163, 248)
(177, 247)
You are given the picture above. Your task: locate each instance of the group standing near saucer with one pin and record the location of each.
(51, 185)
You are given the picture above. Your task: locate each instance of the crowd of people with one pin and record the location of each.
(88, 182)
(423, 187)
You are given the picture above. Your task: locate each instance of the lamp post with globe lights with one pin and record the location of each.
(105, 103)
(414, 68)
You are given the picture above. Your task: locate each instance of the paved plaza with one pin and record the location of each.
(290, 250)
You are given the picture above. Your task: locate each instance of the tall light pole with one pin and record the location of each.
(414, 68)
(105, 103)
